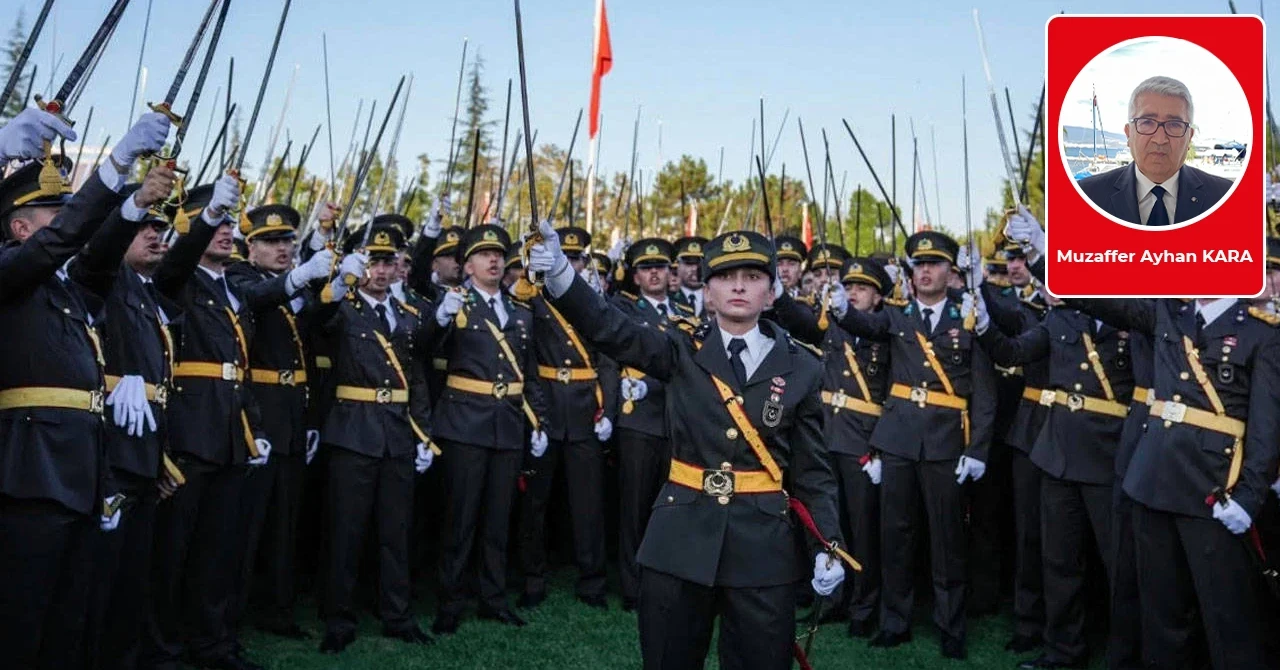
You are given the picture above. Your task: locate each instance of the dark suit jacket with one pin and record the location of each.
(1115, 191)
(751, 541)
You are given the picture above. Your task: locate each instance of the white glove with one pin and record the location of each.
(872, 467)
(827, 574)
(838, 300)
(592, 279)
(226, 195)
(147, 136)
(538, 443)
(634, 389)
(423, 460)
(110, 522)
(970, 468)
(1233, 516)
(435, 218)
(547, 258)
(1275, 486)
(264, 452)
(978, 306)
(778, 289)
(313, 444)
(615, 251)
(975, 267)
(319, 238)
(131, 409)
(1025, 230)
(352, 264)
(316, 267)
(893, 271)
(604, 429)
(23, 137)
(964, 259)
(450, 305)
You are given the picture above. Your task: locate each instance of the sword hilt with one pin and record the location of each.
(164, 108)
(53, 107)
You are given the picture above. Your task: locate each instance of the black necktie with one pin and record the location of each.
(152, 293)
(1200, 324)
(927, 312)
(1159, 215)
(224, 291)
(736, 346)
(382, 318)
(662, 310)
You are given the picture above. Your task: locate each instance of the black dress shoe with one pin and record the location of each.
(1043, 662)
(502, 616)
(410, 635)
(445, 624)
(628, 604)
(1021, 644)
(229, 662)
(861, 628)
(531, 600)
(597, 602)
(886, 640)
(335, 641)
(953, 648)
(289, 630)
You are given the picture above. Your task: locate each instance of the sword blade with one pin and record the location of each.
(190, 55)
(89, 56)
(198, 88)
(262, 90)
(20, 63)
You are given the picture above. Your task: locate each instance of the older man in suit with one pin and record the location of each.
(1157, 189)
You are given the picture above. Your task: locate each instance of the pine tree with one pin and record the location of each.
(12, 49)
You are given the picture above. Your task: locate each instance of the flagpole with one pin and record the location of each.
(591, 185)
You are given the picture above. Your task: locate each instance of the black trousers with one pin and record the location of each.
(367, 491)
(904, 485)
(582, 464)
(1187, 564)
(196, 561)
(643, 463)
(989, 500)
(45, 573)
(1124, 646)
(1028, 573)
(757, 625)
(272, 500)
(482, 486)
(860, 506)
(1069, 513)
(120, 591)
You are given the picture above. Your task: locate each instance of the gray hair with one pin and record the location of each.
(1162, 86)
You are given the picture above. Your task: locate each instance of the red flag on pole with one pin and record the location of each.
(806, 230)
(601, 63)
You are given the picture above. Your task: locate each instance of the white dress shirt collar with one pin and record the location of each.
(758, 346)
(1214, 309)
(1147, 200)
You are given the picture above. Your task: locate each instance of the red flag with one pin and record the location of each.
(691, 228)
(601, 63)
(806, 230)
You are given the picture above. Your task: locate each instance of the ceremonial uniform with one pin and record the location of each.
(490, 404)
(855, 384)
(52, 458)
(580, 387)
(1090, 385)
(689, 252)
(721, 540)
(940, 408)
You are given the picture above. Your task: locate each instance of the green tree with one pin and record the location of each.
(12, 49)
(473, 127)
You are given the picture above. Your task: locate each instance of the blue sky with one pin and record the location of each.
(698, 66)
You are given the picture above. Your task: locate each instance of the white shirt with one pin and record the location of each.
(1214, 309)
(235, 304)
(1147, 199)
(932, 319)
(758, 346)
(397, 290)
(164, 318)
(695, 298)
(496, 303)
(385, 302)
(666, 304)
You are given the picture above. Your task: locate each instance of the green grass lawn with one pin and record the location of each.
(564, 634)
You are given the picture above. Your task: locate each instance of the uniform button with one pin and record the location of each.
(569, 343)
(502, 356)
(65, 310)
(1077, 387)
(1227, 451)
(671, 498)
(1084, 366)
(568, 362)
(1168, 424)
(1226, 350)
(846, 373)
(732, 433)
(1177, 398)
(386, 381)
(499, 375)
(1184, 376)
(726, 466)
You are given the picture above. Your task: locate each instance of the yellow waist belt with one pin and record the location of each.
(1142, 395)
(1176, 412)
(381, 396)
(278, 377)
(498, 390)
(46, 396)
(156, 393)
(566, 375)
(229, 372)
(922, 397)
(839, 400)
(1032, 394)
(324, 363)
(1076, 402)
(723, 483)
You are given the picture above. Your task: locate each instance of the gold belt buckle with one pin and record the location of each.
(382, 396)
(162, 395)
(562, 375)
(837, 399)
(500, 390)
(1047, 397)
(1075, 402)
(1174, 411)
(719, 484)
(920, 397)
(286, 377)
(97, 402)
(229, 372)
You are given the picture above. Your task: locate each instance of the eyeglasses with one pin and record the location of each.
(1172, 127)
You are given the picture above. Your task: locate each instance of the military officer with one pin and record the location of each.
(490, 405)
(932, 438)
(792, 252)
(688, 262)
(721, 542)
